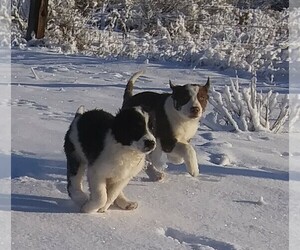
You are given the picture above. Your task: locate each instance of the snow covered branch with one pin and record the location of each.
(294, 118)
(244, 109)
(223, 34)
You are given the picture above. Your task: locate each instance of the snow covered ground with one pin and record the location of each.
(221, 209)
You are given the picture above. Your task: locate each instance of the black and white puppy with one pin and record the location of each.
(113, 149)
(177, 116)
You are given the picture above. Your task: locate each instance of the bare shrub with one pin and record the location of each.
(245, 109)
(199, 32)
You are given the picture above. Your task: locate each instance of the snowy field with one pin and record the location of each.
(240, 200)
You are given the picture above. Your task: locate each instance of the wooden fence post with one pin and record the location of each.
(37, 20)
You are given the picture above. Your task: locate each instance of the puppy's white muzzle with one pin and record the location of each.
(195, 112)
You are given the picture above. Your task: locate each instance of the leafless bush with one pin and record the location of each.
(245, 109)
(199, 32)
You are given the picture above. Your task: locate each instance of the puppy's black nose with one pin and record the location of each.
(195, 110)
(149, 144)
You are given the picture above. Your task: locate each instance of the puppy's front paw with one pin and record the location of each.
(131, 205)
(194, 173)
(87, 210)
(102, 210)
(154, 174)
(88, 207)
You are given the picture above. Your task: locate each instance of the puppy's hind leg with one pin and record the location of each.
(153, 173)
(155, 161)
(175, 159)
(123, 203)
(98, 195)
(75, 173)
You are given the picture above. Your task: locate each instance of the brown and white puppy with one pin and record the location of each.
(177, 116)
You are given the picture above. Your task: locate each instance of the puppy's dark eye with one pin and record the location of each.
(181, 97)
(140, 124)
(185, 99)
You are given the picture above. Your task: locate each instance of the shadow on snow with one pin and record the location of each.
(54, 170)
(38, 168)
(37, 204)
(222, 171)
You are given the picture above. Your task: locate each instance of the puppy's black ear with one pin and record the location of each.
(207, 85)
(171, 84)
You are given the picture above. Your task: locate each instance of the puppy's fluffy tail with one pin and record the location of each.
(129, 86)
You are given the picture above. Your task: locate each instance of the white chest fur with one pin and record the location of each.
(117, 161)
(183, 128)
(184, 131)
